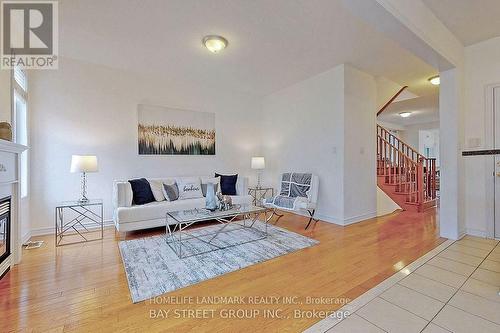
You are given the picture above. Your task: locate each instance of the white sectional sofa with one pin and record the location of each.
(129, 217)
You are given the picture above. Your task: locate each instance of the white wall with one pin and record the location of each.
(428, 37)
(412, 136)
(482, 68)
(303, 132)
(413, 25)
(360, 182)
(83, 108)
(429, 138)
(5, 96)
(326, 125)
(452, 172)
(386, 89)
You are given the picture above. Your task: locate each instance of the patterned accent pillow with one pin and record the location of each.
(171, 192)
(189, 188)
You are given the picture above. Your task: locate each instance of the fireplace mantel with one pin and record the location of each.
(10, 186)
(11, 147)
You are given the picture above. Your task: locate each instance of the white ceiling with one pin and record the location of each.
(472, 21)
(424, 110)
(272, 44)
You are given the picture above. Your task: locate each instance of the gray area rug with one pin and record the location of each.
(153, 268)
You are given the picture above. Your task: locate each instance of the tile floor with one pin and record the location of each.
(454, 288)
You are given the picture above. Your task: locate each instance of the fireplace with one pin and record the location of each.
(4, 229)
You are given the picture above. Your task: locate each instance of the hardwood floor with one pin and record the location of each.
(83, 287)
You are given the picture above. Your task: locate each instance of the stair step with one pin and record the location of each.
(391, 171)
(400, 198)
(402, 193)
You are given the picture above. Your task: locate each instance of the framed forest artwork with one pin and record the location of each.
(169, 131)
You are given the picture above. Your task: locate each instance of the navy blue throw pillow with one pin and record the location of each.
(141, 191)
(227, 184)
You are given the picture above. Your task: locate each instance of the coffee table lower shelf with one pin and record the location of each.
(229, 222)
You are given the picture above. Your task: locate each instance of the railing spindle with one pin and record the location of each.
(404, 167)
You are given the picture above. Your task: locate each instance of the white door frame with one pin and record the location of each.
(489, 161)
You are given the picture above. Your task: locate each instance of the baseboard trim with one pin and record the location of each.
(51, 230)
(327, 218)
(341, 222)
(399, 210)
(360, 218)
(110, 223)
(26, 237)
(477, 233)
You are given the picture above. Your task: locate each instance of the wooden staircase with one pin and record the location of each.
(406, 176)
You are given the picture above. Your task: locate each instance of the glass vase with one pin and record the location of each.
(211, 199)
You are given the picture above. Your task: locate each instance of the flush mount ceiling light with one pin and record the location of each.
(215, 43)
(435, 80)
(405, 114)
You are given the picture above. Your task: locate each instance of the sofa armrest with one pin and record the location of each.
(122, 194)
(242, 186)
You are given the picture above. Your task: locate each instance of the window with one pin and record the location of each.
(20, 117)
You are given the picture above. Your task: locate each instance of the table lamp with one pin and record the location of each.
(83, 164)
(259, 164)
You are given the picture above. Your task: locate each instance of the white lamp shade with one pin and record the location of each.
(83, 163)
(258, 162)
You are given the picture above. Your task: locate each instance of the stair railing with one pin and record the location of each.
(401, 165)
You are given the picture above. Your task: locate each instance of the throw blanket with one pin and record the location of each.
(294, 188)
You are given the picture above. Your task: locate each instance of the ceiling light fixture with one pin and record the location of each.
(215, 43)
(435, 80)
(405, 114)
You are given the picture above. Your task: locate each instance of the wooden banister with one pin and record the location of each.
(402, 153)
(400, 143)
(391, 100)
(401, 165)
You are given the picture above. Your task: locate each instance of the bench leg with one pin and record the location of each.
(278, 215)
(311, 218)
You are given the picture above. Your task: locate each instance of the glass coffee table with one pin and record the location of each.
(236, 226)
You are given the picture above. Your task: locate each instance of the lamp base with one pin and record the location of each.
(84, 198)
(259, 175)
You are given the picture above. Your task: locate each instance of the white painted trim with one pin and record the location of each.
(336, 220)
(351, 307)
(326, 218)
(51, 230)
(489, 163)
(11, 147)
(489, 116)
(26, 237)
(322, 217)
(478, 233)
(359, 218)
